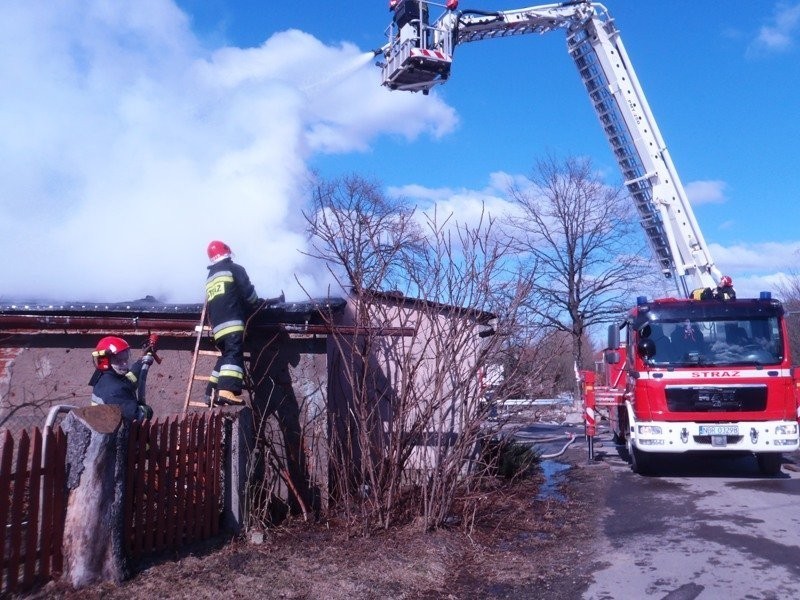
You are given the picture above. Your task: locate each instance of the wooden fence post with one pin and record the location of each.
(240, 436)
(97, 438)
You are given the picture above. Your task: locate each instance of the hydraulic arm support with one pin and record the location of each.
(625, 116)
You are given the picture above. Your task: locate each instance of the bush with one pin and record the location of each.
(509, 459)
(517, 460)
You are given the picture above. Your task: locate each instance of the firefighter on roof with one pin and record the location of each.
(115, 381)
(231, 300)
(725, 289)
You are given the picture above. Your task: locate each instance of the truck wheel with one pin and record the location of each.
(769, 463)
(641, 462)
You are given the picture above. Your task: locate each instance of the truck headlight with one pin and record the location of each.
(649, 430)
(786, 429)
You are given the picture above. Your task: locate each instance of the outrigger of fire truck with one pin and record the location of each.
(698, 373)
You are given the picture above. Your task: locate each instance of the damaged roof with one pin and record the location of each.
(148, 315)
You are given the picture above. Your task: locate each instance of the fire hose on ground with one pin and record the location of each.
(570, 440)
(563, 449)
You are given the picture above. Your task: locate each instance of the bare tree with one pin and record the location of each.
(408, 418)
(584, 239)
(354, 226)
(789, 292)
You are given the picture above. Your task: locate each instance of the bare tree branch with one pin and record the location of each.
(410, 432)
(583, 238)
(355, 227)
(789, 292)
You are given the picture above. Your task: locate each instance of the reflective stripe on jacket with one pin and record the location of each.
(231, 297)
(109, 387)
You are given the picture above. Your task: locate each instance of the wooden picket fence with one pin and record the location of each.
(174, 482)
(174, 494)
(32, 508)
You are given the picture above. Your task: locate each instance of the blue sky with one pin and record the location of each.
(133, 132)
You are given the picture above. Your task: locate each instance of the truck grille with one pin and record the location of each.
(746, 398)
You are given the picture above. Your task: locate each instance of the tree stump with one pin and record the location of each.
(97, 438)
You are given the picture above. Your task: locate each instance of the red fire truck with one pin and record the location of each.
(698, 376)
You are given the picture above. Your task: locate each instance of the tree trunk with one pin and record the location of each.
(93, 535)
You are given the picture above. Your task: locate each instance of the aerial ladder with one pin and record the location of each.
(419, 54)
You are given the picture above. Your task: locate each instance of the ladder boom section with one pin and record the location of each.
(473, 26)
(649, 173)
(419, 56)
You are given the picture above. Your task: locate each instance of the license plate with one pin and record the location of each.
(719, 430)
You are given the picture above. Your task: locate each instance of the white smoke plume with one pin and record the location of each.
(126, 147)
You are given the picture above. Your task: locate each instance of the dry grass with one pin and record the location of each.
(519, 547)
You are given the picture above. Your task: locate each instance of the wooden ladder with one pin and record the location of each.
(201, 329)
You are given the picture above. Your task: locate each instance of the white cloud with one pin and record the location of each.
(726, 224)
(706, 192)
(750, 286)
(466, 206)
(757, 257)
(779, 35)
(124, 148)
(756, 267)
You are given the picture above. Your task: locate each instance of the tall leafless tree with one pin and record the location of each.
(789, 292)
(409, 435)
(584, 238)
(356, 228)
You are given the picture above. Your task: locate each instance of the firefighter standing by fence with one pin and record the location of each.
(231, 299)
(115, 381)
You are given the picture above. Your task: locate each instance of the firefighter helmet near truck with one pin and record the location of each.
(218, 250)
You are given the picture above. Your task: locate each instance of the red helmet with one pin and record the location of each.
(725, 281)
(451, 4)
(218, 250)
(111, 353)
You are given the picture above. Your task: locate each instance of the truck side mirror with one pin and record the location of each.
(613, 337)
(612, 357)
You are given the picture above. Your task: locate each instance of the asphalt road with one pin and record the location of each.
(704, 528)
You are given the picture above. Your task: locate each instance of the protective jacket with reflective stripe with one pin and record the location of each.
(231, 297)
(109, 387)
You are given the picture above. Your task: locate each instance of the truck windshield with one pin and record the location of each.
(713, 341)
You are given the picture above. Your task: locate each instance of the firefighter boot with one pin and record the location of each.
(228, 397)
